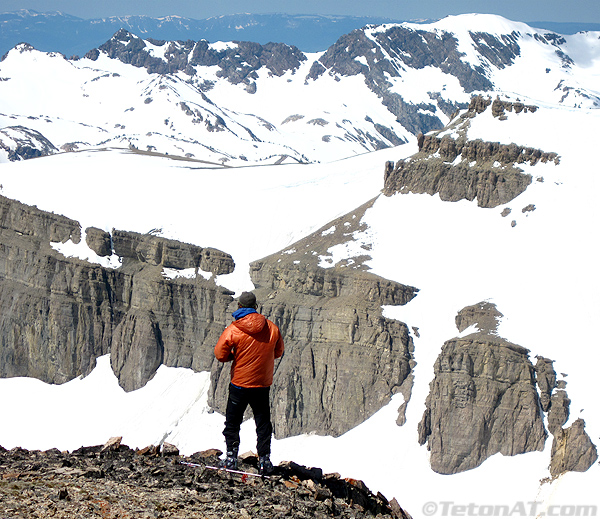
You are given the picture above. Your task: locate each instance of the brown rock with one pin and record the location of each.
(119, 484)
(168, 449)
(484, 314)
(487, 171)
(112, 444)
(572, 450)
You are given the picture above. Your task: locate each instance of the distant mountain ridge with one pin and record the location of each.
(59, 32)
(231, 103)
(70, 35)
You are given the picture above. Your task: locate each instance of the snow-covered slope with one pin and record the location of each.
(105, 103)
(236, 103)
(540, 272)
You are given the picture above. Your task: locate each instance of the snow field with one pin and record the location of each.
(541, 273)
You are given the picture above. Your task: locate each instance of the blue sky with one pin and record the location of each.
(521, 10)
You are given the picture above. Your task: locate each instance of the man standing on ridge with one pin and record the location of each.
(253, 343)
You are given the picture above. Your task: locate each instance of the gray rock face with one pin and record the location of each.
(99, 241)
(572, 450)
(57, 314)
(558, 412)
(137, 350)
(546, 380)
(154, 250)
(459, 169)
(239, 64)
(482, 401)
(343, 359)
(20, 143)
(25, 220)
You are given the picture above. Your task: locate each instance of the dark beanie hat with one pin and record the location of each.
(247, 299)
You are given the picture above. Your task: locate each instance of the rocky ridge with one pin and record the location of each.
(20, 143)
(487, 398)
(115, 481)
(343, 359)
(238, 63)
(378, 53)
(456, 168)
(572, 450)
(361, 53)
(59, 314)
(382, 62)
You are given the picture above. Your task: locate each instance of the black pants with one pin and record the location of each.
(258, 400)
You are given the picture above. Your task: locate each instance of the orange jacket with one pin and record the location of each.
(253, 343)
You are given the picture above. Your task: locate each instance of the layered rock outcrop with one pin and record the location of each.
(488, 398)
(546, 380)
(57, 314)
(460, 169)
(482, 401)
(155, 250)
(572, 448)
(343, 359)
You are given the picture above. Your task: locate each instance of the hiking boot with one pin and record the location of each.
(265, 466)
(231, 459)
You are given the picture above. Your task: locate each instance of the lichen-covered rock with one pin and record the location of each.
(572, 450)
